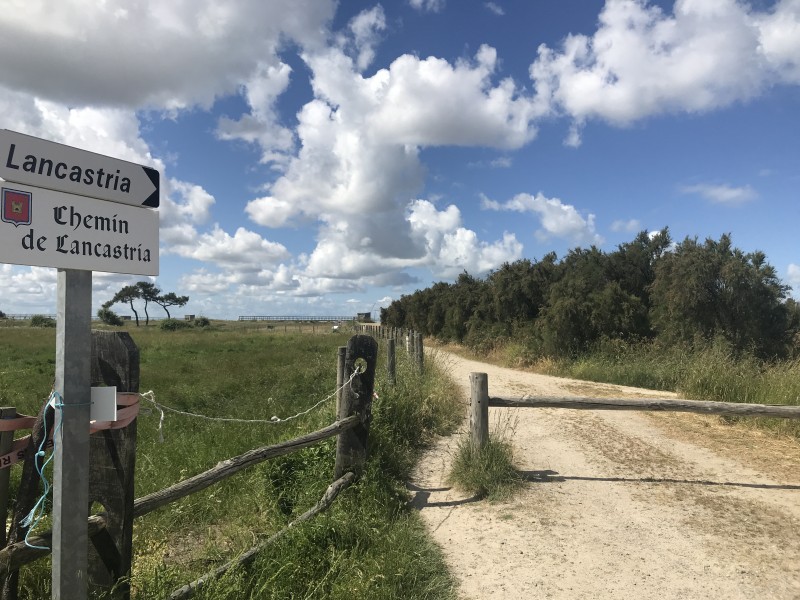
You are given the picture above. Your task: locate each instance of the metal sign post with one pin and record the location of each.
(50, 217)
(71, 435)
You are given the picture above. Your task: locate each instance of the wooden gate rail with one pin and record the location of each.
(480, 401)
(16, 555)
(780, 411)
(188, 590)
(226, 468)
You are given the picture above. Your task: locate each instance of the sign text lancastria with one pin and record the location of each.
(75, 173)
(117, 251)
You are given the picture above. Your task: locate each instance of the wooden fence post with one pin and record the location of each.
(341, 354)
(479, 409)
(351, 445)
(27, 494)
(390, 362)
(112, 462)
(5, 447)
(419, 353)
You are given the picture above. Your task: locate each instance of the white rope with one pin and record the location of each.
(274, 420)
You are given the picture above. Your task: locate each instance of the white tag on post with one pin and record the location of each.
(104, 404)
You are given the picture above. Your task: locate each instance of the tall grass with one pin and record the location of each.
(368, 545)
(487, 472)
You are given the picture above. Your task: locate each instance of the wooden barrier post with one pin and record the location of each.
(351, 445)
(390, 362)
(112, 462)
(479, 409)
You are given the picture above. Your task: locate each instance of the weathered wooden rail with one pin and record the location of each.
(188, 590)
(115, 361)
(301, 318)
(480, 402)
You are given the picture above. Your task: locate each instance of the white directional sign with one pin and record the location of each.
(38, 162)
(46, 228)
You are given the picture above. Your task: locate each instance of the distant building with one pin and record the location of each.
(364, 317)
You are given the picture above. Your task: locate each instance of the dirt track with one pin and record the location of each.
(619, 504)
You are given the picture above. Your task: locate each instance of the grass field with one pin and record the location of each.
(369, 545)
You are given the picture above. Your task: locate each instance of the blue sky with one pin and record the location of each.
(324, 158)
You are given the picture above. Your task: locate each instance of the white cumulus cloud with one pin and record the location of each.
(643, 61)
(793, 274)
(358, 167)
(428, 5)
(722, 194)
(557, 220)
(495, 8)
(148, 53)
(243, 251)
(629, 226)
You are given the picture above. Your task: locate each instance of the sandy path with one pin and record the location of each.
(619, 504)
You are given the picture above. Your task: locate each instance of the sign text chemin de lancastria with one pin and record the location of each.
(67, 216)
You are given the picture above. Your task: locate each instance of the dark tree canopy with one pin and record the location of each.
(713, 289)
(147, 292)
(648, 288)
(128, 294)
(170, 299)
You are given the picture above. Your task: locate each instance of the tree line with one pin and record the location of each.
(689, 293)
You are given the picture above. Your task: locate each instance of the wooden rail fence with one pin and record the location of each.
(480, 401)
(115, 361)
(411, 339)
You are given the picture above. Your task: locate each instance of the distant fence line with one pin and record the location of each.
(19, 317)
(28, 317)
(285, 318)
(325, 319)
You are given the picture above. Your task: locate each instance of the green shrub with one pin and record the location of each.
(42, 321)
(174, 325)
(486, 472)
(109, 317)
(202, 322)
